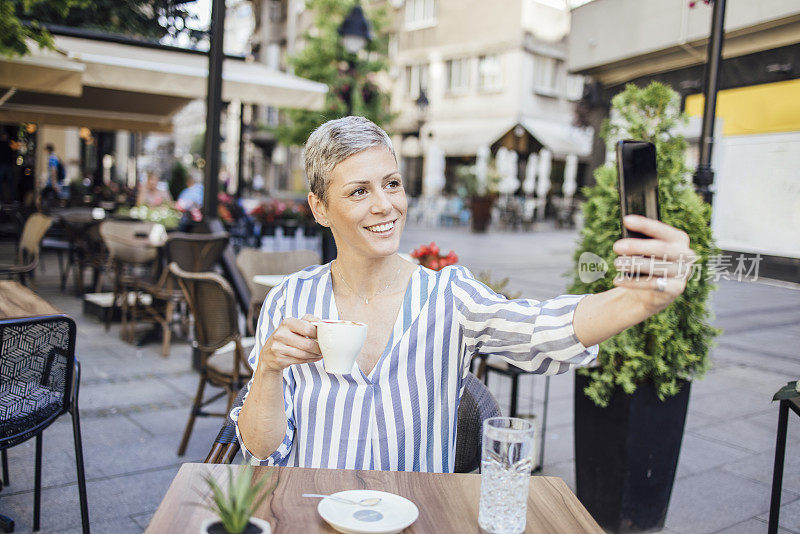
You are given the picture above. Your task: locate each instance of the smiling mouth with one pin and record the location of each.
(381, 228)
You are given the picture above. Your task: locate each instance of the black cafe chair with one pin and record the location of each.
(477, 404)
(39, 381)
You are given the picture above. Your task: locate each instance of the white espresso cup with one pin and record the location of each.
(340, 342)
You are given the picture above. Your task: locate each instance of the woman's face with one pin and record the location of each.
(366, 208)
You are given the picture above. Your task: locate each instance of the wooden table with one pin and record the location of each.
(447, 502)
(17, 301)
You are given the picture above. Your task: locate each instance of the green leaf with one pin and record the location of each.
(789, 391)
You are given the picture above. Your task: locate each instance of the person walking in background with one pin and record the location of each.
(55, 174)
(9, 190)
(150, 194)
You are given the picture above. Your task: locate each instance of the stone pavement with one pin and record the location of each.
(134, 404)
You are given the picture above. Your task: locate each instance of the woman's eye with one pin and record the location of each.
(394, 184)
(359, 192)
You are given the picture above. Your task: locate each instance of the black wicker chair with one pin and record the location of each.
(477, 404)
(39, 381)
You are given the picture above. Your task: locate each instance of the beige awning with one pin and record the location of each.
(462, 137)
(124, 86)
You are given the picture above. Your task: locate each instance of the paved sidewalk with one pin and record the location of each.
(134, 404)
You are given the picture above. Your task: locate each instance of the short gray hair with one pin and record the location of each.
(334, 142)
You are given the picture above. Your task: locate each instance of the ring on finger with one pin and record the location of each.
(661, 284)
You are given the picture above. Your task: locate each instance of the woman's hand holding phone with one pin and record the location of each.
(656, 268)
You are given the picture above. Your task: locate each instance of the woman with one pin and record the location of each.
(398, 409)
(150, 195)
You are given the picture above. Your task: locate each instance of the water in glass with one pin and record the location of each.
(506, 465)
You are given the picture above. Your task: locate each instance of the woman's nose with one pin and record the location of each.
(381, 203)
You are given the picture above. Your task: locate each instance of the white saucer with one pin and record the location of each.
(393, 514)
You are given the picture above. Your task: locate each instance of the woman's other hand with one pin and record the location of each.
(656, 269)
(294, 341)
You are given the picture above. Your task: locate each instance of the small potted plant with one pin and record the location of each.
(428, 256)
(235, 507)
(481, 195)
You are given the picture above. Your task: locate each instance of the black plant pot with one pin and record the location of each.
(626, 455)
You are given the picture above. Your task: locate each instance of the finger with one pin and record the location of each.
(282, 351)
(655, 229)
(300, 342)
(311, 318)
(300, 327)
(663, 250)
(673, 287)
(650, 266)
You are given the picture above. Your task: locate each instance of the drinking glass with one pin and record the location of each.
(506, 463)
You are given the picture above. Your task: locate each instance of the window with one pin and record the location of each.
(416, 79)
(574, 86)
(490, 73)
(420, 14)
(546, 75)
(458, 75)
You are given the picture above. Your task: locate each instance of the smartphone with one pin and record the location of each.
(638, 182)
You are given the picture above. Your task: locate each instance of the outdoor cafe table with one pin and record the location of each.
(447, 502)
(17, 301)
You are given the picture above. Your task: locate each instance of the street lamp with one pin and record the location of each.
(356, 34)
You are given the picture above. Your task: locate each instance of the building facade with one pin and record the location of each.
(756, 154)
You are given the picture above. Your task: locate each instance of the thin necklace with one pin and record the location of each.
(366, 299)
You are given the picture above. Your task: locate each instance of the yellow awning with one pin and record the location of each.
(756, 109)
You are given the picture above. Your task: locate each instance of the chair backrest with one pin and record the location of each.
(477, 404)
(252, 261)
(32, 234)
(37, 360)
(128, 241)
(196, 253)
(213, 304)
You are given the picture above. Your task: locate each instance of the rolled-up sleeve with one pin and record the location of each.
(537, 336)
(269, 319)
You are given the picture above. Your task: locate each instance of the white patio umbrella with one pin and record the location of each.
(529, 184)
(543, 181)
(570, 176)
(434, 180)
(482, 166)
(507, 165)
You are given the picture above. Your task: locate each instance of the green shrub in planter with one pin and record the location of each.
(672, 346)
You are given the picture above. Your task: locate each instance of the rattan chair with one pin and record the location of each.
(223, 362)
(477, 404)
(133, 257)
(39, 381)
(193, 253)
(29, 247)
(251, 262)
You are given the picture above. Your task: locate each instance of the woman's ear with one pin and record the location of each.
(318, 209)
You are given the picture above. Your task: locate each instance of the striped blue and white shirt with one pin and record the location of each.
(402, 416)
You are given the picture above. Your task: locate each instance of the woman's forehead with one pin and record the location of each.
(372, 163)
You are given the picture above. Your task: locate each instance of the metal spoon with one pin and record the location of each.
(372, 501)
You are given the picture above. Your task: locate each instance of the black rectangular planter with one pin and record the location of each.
(626, 455)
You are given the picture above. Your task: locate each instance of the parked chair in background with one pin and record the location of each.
(29, 247)
(39, 382)
(193, 253)
(477, 404)
(223, 362)
(133, 256)
(252, 262)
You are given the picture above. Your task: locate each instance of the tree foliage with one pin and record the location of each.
(324, 59)
(673, 345)
(21, 20)
(15, 34)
